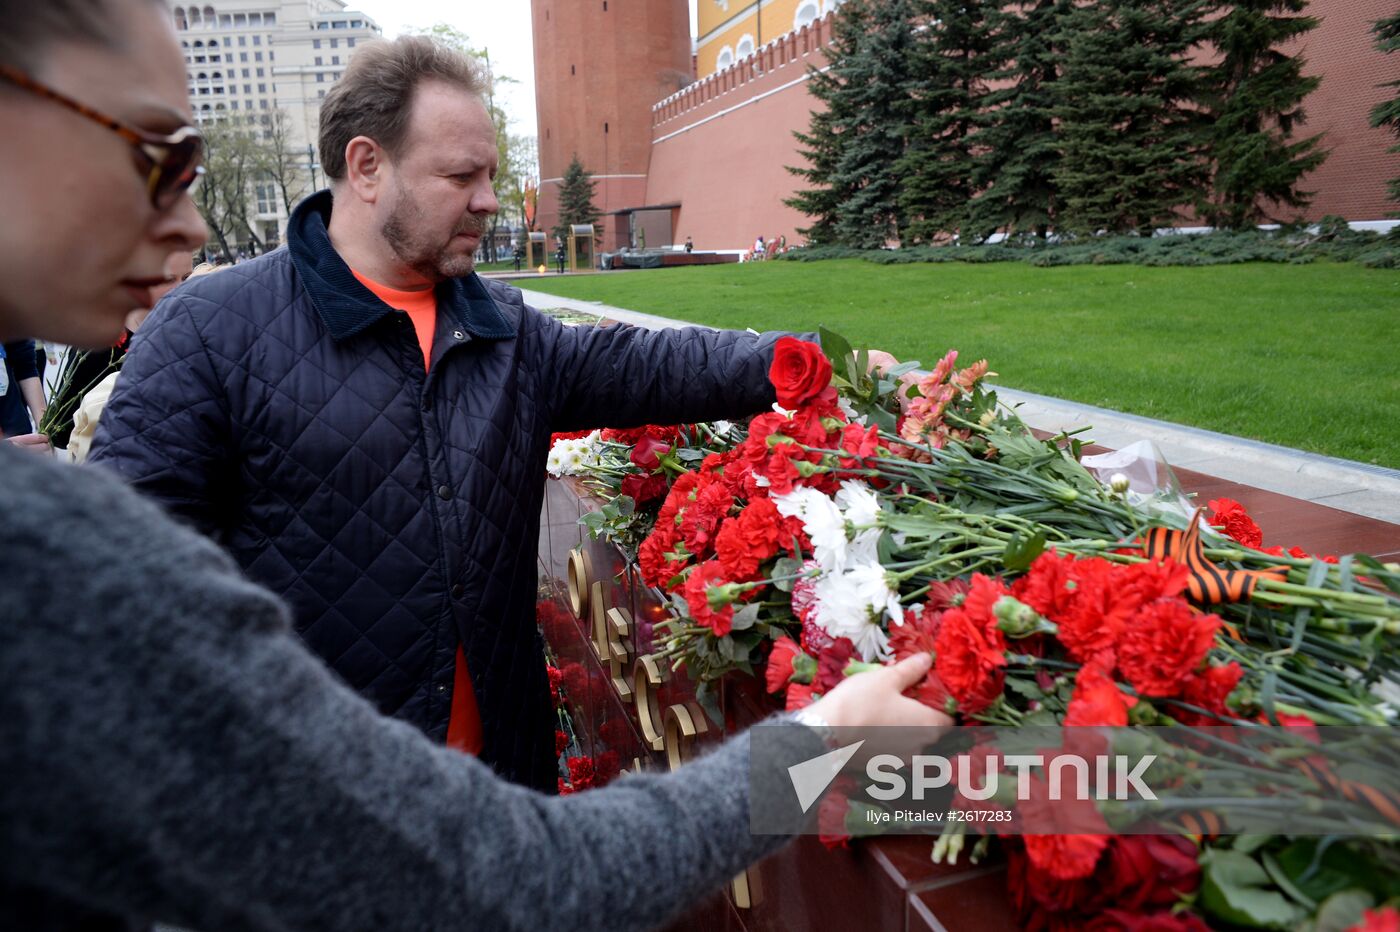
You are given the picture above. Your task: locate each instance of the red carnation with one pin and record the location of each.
(799, 696)
(800, 371)
(860, 443)
(971, 649)
(831, 814)
(779, 669)
(1230, 514)
(556, 679)
(561, 742)
(1097, 700)
(831, 664)
(746, 542)
(1384, 919)
(1065, 857)
(656, 567)
(1208, 690)
(1165, 644)
(581, 773)
(918, 635)
(1090, 624)
(1049, 586)
(697, 598)
(1152, 581)
(701, 517)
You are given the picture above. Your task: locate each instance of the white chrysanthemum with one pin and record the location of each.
(573, 457)
(859, 502)
(873, 584)
(822, 521)
(850, 605)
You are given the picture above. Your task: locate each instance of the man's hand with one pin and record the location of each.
(882, 362)
(37, 443)
(876, 698)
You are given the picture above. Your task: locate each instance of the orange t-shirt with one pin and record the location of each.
(464, 725)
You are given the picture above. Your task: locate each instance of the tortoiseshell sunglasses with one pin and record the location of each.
(170, 164)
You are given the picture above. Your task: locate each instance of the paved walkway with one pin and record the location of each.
(1358, 488)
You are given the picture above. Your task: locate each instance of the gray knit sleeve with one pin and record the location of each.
(172, 753)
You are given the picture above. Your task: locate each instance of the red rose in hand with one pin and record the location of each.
(800, 371)
(648, 452)
(1165, 643)
(1238, 524)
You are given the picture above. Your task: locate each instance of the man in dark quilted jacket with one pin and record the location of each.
(363, 422)
(171, 752)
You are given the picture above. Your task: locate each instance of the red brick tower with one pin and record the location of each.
(599, 67)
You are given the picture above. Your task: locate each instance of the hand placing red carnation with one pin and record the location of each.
(800, 371)
(1230, 514)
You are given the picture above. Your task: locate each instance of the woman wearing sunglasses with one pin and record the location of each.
(174, 754)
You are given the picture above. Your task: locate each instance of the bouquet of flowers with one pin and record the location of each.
(878, 511)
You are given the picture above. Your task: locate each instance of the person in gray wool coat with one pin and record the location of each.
(171, 753)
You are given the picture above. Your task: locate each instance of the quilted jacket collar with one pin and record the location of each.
(347, 307)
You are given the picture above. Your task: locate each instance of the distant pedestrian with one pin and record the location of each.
(689, 246)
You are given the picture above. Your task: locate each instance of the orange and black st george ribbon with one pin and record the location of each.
(1208, 584)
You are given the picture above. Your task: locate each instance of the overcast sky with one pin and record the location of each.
(500, 26)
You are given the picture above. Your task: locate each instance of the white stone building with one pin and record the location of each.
(259, 56)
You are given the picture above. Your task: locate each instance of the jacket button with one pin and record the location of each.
(458, 335)
(458, 591)
(442, 687)
(444, 492)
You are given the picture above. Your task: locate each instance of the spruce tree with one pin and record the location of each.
(1253, 98)
(575, 199)
(951, 61)
(1387, 113)
(852, 149)
(1015, 177)
(1130, 140)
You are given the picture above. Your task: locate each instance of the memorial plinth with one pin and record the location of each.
(630, 713)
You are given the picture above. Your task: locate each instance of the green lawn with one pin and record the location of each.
(1303, 355)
